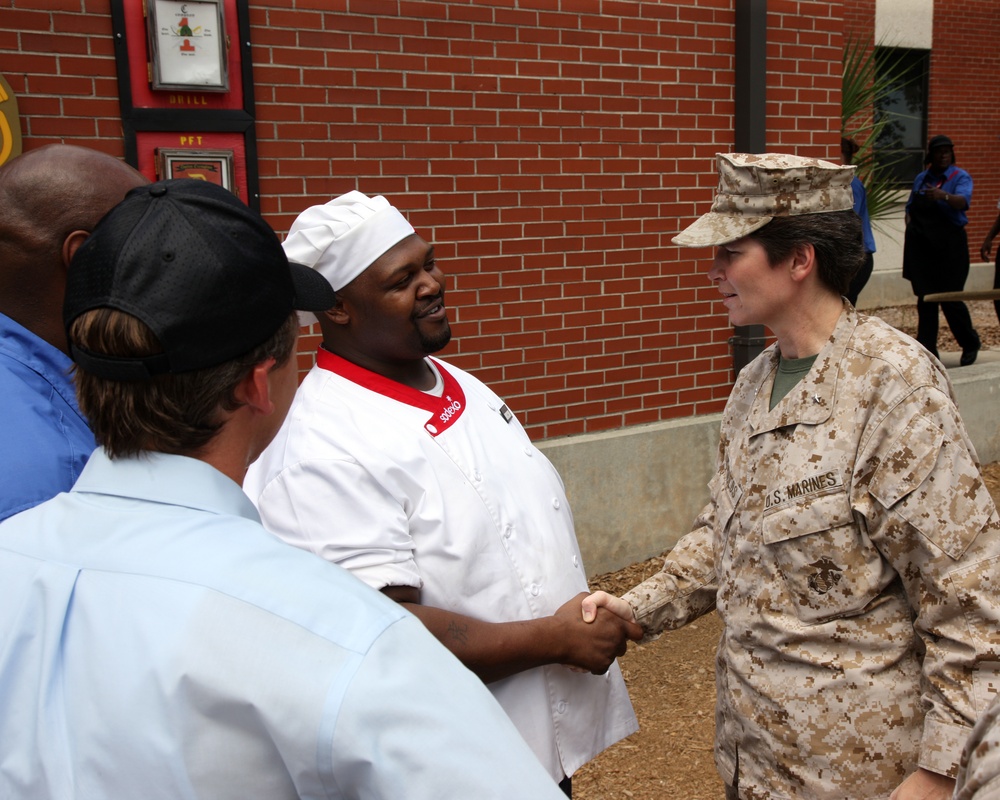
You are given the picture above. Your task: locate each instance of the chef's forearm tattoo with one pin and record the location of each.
(458, 632)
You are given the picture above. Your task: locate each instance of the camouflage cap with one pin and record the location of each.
(756, 188)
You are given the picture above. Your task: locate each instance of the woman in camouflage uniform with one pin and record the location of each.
(850, 546)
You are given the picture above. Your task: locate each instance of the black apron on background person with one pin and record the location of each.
(936, 259)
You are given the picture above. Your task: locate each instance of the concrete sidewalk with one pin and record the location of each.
(985, 361)
(977, 388)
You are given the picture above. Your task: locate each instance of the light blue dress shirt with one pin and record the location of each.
(156, 642)
(46, 439)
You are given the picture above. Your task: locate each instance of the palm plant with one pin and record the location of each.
(870, 75)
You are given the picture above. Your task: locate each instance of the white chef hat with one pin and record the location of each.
(343, 237)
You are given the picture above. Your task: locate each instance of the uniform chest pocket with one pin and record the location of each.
(721, 488)
(726, 494)
(829, 566)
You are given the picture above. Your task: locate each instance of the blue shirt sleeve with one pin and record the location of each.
(861, 209)
(46, 439)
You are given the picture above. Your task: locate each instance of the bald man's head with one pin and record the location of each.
(50, 199)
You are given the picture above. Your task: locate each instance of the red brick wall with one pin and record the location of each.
(61, 66)
(965, 100)
(964, 94)
(805, 44)
(549, 151)
(859, 19)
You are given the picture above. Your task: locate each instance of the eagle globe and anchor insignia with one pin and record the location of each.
(826, 576)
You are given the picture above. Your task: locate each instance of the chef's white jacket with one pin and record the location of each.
(447, 494)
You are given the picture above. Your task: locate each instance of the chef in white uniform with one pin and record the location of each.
(413, 475)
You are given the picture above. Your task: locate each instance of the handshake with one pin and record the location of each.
(595, 630)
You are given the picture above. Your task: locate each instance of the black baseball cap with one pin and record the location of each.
(204, 271)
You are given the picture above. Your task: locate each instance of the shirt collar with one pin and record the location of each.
(811, 400)
(165, 478)
(444, 411)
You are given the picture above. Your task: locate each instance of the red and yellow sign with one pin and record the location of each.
(10, 124)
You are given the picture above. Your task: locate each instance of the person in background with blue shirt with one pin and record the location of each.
(848, 147)
(936, 247)
(155, 640)
(50, 200)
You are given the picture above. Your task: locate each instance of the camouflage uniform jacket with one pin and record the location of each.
(851, 549)
(979, 771)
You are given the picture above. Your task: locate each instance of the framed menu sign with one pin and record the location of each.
(214, 166)
(187, 45)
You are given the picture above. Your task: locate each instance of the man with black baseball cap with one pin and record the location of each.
(155, 641)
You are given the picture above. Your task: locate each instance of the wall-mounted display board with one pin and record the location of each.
(216, 156)
(214, 166)
(187, 45)
(185, 82)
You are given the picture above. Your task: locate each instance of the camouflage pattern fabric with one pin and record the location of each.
(979, 770)
(755, 188)
(852, 551)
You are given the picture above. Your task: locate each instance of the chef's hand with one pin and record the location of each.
(593, 645)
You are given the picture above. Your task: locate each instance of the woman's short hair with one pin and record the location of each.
(170, 413)
(834, 235)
